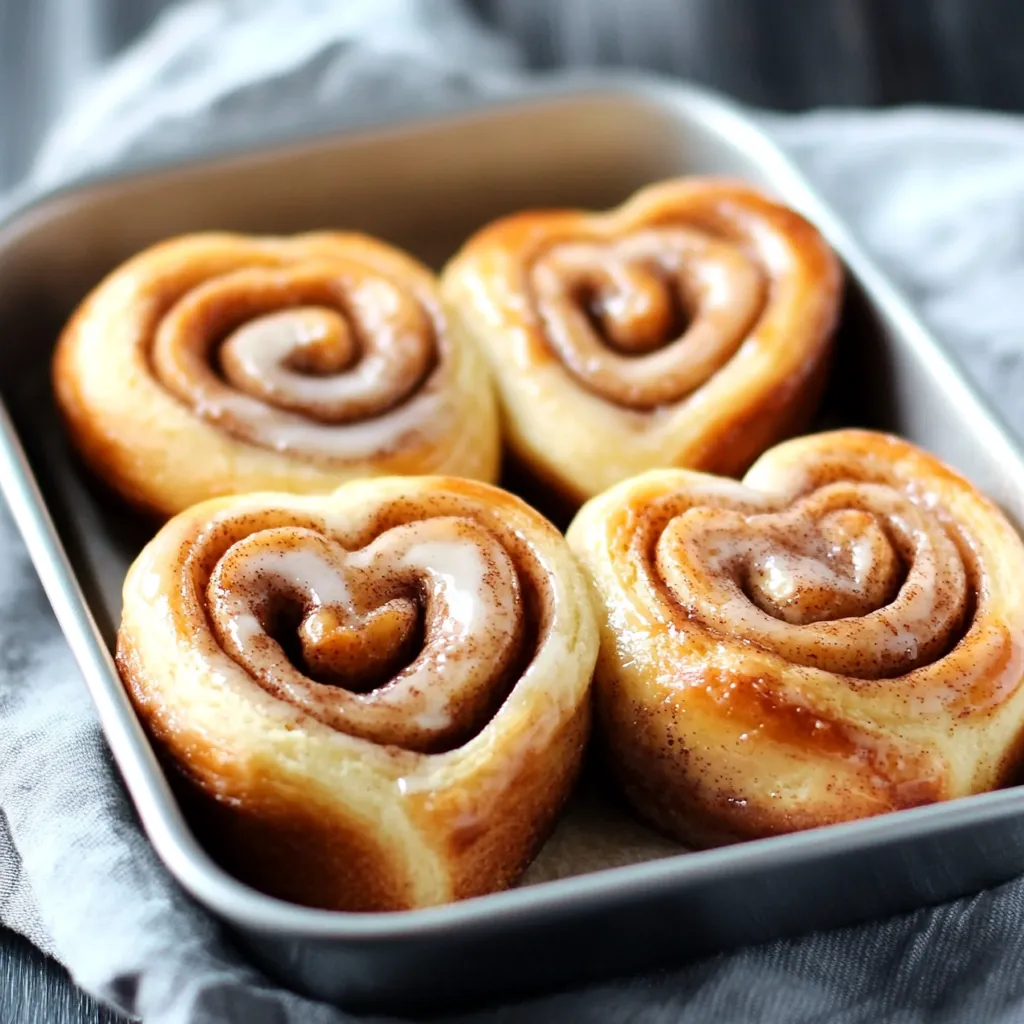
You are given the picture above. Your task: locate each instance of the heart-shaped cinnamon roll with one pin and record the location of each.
(689, 327)
(217, 364)
(840, 635)
(380, 696)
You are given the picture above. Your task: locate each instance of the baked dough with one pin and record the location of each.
(217, 364)
(688, 327)
(379, 697)
(839, 635)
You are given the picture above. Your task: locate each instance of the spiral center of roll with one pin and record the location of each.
(853, 579)
(838, 567)
(409, 641)
(359, 653)
(635, 308)
(646, 319)
(278, 357)
(307, 340)
(285, 357)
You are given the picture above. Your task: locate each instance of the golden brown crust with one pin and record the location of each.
(691, 327)
(287, 844)
(840, 636)
(216, 364)
(359, 775)
(492, 855)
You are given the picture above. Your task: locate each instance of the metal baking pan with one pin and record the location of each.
(606, 896)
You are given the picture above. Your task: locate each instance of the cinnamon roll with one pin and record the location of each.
(839, 635)
(378, 698)
(216, 364)
(688, 327)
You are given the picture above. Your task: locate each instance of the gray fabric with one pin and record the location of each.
(939, 198)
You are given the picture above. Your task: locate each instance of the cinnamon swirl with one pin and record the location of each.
(379, 697)
(689, 327)
(840, 635)
(217, 364)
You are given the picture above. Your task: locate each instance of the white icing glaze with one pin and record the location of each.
(826, 586)
(356, 608)
(322, 580)
(151, 586)
(457, 569)
(781, 577)
(427, 413)
(346, 383)
(263, 348)
(433, 720)
(462, 650)
(347, 378)
(640, 358)
(245, 628)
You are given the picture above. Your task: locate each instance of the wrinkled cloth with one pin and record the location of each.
(937, 197)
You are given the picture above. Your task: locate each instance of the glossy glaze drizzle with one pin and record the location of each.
(852, 578)
(411, 634)
(645, 319)
(329, 360)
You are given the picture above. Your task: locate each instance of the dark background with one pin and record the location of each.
(787, 54)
